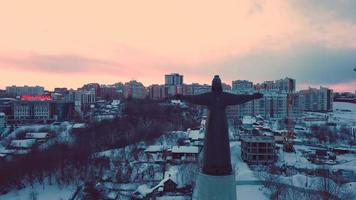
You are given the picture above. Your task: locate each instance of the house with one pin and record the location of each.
(23, 144)
(142, 192)
(185, 153)
(40, 137)
(247, 122)
(79, 126)
(196, 137)
(156, 153)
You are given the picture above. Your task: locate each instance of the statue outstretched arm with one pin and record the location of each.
(199, 99)
(234, 99)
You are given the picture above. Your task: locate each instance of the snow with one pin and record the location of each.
(26, 143)
(155, 148)
(244, 173)
(144, 190)
(37, 135)
(345, 116)
(250, 192)
(48, 192)
(173, 198)
(185, 149)
(79, 125)
(196, 134)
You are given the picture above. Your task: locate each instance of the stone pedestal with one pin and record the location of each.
(215, 187)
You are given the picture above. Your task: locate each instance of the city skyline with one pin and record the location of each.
(63, 44)
(231, 84)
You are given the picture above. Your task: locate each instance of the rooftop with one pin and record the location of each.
(185, 149)
(155, 148)
(250, 138)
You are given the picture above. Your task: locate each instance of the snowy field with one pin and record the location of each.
(344, 116)
(48, 192)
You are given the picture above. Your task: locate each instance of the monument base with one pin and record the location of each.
(210, 187)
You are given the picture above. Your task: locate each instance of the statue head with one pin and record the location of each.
(216, 84)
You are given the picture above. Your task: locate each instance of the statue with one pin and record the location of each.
(217, 160)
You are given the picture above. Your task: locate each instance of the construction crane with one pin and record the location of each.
(288, 143)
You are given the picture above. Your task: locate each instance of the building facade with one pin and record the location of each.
(258, 150)
(135, 89)
(317, 100)
(173, 79)
(32, 110)
(25, 90)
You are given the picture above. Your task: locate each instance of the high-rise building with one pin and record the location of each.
(155, 91)
(283, 85)
(93, 86)
(286, 85)
(85, 96)
(317, 99)
(25, 90)
(135, 89)
(242, 86)
(173, 79)
(109, 92)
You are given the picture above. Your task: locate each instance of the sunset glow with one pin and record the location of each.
(69, 43)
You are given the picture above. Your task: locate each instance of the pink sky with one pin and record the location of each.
(69, 43)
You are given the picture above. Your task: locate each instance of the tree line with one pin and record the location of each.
(141, 120)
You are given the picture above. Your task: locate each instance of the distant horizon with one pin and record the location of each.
(298, 86)
(69, 43)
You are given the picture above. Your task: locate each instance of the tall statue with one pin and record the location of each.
(217, 160)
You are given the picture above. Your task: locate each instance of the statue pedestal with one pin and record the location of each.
(215, 187)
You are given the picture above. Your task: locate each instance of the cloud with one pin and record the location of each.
(308, 63)
(57, 64)
(323, 10)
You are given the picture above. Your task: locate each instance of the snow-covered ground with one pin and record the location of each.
(342, 115)
(48, 192)
(244, 173)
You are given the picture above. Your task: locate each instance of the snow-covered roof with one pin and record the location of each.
(185, 149)
(144, 190)
(250, 138)
(7, 151)
(196, 135)
(37, 135)
(79, 125)
(172, 198)
(155, 148)
(26, 143)
(248, 120)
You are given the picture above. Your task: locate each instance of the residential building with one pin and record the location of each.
(135, 89)
(319, 100)
(25, 90)
(93, 86)
(283, 85)
(173, 79)
(109, 92)
(32, 110)
(258, 150)
(242, 86)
